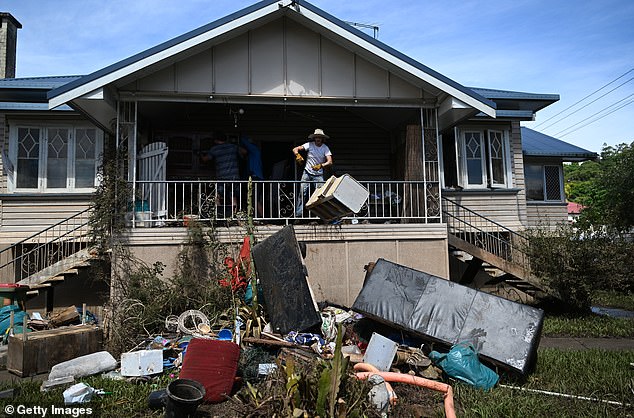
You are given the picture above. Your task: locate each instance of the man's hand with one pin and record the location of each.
(317, 167)
(299, 159)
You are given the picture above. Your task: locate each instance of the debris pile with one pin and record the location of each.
(293, 357)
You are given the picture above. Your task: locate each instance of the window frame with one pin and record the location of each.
(544, 183)
(485, 159)
(43, 162)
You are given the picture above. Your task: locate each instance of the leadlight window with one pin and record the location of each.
(54, 158)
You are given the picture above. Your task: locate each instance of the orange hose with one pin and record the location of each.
(367, 367)
(417, 381)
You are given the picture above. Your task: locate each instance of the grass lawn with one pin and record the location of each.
(596, 374)
(594, 325)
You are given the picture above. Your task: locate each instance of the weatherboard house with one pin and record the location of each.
(448, 168)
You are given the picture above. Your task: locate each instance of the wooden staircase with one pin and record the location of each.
(43, 260)
(492, 247)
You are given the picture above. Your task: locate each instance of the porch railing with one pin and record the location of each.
(181, 201)
(44, 249)
(486, 234)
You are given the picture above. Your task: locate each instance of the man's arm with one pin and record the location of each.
(298, 157)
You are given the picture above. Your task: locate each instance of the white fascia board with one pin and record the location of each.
(398, 62)
(161, 55)
(451, 103)
(94, 95)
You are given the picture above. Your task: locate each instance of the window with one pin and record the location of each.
(483, 158)
(543, 183)
(54, 158)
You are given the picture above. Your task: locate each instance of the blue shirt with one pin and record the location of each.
(254, 159)
(225, 157)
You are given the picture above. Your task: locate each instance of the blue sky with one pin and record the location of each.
(566, 47)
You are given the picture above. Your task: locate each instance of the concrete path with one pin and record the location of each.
(566, 343)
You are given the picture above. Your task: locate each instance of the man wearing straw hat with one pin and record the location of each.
(318, 156)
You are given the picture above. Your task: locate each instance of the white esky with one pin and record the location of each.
(566, 47)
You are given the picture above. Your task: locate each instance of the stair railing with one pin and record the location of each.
(46, 247)
(486, 234)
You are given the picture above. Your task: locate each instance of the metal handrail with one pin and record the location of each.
(46, 247)
(486, 234)
(172, 201)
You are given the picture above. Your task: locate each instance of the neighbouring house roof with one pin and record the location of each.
(29, 93)
(574, 208)
(537, 144)
(516, 104)
(317, 19)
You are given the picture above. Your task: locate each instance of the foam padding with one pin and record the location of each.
(214, 364)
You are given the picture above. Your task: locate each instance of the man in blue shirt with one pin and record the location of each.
(255, 171)
(225, 157)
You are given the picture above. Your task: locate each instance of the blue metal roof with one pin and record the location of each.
(234, 16)
(45, 83)
(7, 106)
(513, 95)
(537, 144)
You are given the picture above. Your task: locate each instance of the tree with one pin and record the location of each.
(610, 195)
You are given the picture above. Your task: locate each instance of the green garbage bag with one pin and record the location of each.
(462, 363)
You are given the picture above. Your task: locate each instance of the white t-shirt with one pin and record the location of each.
(316, 155)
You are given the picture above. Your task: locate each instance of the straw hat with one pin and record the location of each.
(318, 132)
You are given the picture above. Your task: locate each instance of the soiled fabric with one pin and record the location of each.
(214, 364)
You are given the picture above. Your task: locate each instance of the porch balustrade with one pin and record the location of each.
(273, 201)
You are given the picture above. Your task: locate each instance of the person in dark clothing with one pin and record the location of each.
(254, 170)
(225, 157)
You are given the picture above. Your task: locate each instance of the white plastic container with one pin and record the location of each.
(338, 197)
(380, 352)
(143, 219)
(142, 363)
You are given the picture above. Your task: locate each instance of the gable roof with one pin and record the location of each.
(537, 144)
(261, 12)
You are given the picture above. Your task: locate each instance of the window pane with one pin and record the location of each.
(496, 146)
(473, 152)
(28, 157)
(85, 152)
(57, 159)
(553, 185)
(534, 182)
(84, 173)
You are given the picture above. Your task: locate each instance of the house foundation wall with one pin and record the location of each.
(335, 258)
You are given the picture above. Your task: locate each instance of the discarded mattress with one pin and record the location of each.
(505, 332)
(282, 275)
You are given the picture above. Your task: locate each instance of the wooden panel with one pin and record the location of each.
(231, 66)
(337, 70)
(400, 88)
(21, 219)
(546, 215)
(371, 81)
(162, 80)
(195, 75)
(517, 166)
(44, 349)
(302, 61)
(501, 208)
(266, 46)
